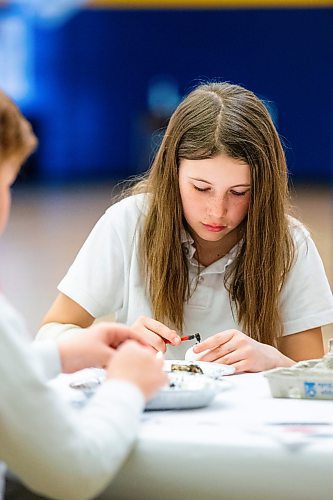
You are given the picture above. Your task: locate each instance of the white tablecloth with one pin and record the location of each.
(246, 445)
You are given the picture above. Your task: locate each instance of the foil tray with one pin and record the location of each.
(188, 389)
(185, 389)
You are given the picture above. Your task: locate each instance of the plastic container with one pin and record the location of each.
(312, 379)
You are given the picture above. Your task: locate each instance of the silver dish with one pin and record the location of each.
(185, 391)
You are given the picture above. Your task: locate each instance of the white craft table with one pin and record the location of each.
(234, 449)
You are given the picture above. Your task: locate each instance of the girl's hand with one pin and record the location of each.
(155, 333)
(233, 347)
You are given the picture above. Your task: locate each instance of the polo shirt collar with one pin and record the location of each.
(217, 267)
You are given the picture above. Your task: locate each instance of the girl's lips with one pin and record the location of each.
(214, 228)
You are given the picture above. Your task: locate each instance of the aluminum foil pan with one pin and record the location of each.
(185, 390)
(191, 385)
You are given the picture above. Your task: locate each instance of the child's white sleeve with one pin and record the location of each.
(306, 298)
(49, 357)
(55, 330)
(55, 449)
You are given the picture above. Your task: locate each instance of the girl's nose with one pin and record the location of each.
(218, 207)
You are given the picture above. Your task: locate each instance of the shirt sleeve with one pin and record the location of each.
(55, 449)
(96, 277)
(49, 357)
(306, 298)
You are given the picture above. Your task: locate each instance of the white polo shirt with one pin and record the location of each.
(105, 278)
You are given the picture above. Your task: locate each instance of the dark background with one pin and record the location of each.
(92, 76)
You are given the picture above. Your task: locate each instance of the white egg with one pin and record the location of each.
(193, 356)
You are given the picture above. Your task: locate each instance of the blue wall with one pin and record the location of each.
(92, 75)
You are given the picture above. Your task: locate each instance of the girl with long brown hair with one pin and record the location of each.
(204, 242)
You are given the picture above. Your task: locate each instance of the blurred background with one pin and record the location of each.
(99, 80)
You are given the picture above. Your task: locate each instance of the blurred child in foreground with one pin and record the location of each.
(54, 449)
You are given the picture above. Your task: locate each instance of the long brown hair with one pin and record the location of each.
(221, 118)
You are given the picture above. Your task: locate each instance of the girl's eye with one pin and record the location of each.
(202, 190)
(238, 193)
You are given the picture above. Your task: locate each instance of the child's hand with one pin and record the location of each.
(94, 346)
(154, 333)
(233, 347)
(139, 365)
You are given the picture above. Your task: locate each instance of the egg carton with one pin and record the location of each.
(312, 379)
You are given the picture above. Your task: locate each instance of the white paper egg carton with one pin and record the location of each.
(312, 379)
